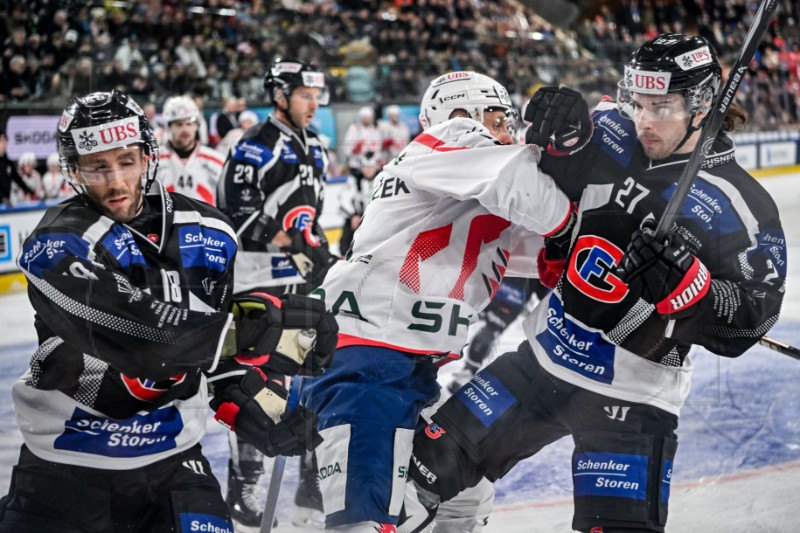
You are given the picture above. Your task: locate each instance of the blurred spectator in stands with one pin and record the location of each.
(188, 55)
(14, 46)
(9, 177)
(247, 119)
(228, 119)
(54, 184)
(394, 134)
(129, 53)
(16, 83)
(33, 192)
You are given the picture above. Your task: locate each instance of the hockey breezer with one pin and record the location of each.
(713, 121)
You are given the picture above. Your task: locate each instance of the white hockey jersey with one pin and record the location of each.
(195, 176)
(449, 217)
(55, 185)
(362, 143)
(395, 138)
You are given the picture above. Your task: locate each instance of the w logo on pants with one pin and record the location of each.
(615, 412)
(195, 466)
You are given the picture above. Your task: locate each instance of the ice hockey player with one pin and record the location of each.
(607, 357)
(394, 133)
(449, 218)
(272, 189)
(131, 286)
(187, 166)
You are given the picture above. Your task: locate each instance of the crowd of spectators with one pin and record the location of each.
(382, 51)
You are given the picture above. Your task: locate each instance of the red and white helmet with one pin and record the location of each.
(470, 91)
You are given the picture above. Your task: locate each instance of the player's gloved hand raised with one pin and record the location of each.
(312, 260)
(560, 120)
(255, 409)
(552, 259)
(665, 273)
(291, 334)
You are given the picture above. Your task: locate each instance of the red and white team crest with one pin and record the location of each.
(302, 217)
(148, 390)
(592, 269)
(434, 431)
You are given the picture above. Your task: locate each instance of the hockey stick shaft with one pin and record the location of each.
(780, 347)
(278, 466)
(716, 115)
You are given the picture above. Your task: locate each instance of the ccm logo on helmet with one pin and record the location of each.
(591, 269)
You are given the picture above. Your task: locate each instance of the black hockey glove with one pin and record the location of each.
(312, 261)
(255, 409)
(665, 273)
(560, 120)
(552, 259)
(292, 334)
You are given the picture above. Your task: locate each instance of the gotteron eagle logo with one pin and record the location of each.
(148, 390)
(592, 269)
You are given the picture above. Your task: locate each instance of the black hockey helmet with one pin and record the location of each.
(102, 121)
(286, 74)
(672, 63)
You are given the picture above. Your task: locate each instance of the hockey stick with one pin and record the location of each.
(278, 466)
(717, 116)
(780, 347)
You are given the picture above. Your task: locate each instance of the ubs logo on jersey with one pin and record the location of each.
(302, 217)
(148, 390)
(591, 269)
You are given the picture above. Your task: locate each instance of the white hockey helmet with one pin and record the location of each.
(27, 158)
(180, 108)
(53, 160)
(470, 91)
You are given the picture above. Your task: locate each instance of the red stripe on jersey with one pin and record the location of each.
(217, 160)
(205, 194)
(435, 144)
(351, 340)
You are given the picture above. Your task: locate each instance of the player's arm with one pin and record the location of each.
(724, 300)
(97, 309)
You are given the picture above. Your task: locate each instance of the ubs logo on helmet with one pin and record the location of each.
(592, 269)
(302, 218)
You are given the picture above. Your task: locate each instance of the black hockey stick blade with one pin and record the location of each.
(717, 115)
(780, 347)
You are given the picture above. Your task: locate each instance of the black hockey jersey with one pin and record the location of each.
(592, 331)
(128, 317)
(272, 180)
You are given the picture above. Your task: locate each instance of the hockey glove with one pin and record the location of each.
(665, 273)
(255, 409)
(552, 259)
(289, 335)
(312, 260)
(560, 121)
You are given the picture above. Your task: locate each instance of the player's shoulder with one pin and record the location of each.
(197, 209)
(257, 145)
(456, 133)
(210, 154)
(74, 215)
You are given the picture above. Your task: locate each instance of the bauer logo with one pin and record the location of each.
(615, 475)
(575, 348)
(137, 436)
(486, 397)
(205, 247)
(205, 523)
